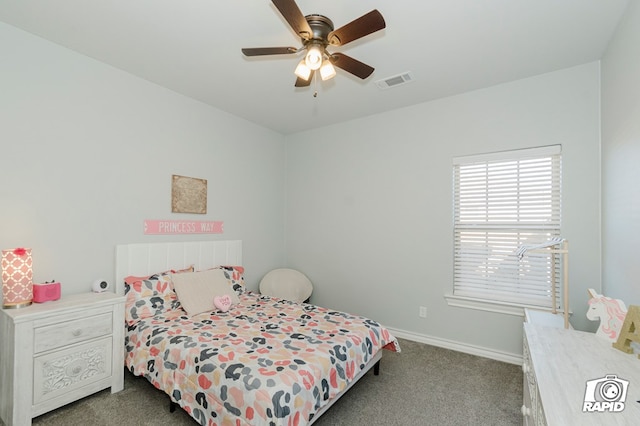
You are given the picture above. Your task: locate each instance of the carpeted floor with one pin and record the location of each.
(423, 385)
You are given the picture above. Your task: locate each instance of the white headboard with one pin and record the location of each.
(142, 259)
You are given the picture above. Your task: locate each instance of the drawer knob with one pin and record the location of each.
(77, 332)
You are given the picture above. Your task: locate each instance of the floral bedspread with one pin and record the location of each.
(264, 362)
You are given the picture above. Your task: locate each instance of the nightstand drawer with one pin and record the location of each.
(67, 333)
(60, 373)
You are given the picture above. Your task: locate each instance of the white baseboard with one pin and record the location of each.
(457, 346)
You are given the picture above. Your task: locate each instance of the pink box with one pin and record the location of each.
(46, 292)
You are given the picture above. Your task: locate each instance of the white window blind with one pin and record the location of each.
(503, 201)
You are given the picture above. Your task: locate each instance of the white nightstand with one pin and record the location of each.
(54, 353)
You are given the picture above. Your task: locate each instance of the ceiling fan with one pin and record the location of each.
(316, 34)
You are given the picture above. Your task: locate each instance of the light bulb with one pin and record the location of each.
(302, 71)
(314, 57)
(327, 70)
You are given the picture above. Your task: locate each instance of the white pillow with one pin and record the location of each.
(196, 290)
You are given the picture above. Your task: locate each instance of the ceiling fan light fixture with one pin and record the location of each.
(327, 70)
(316, 33)
(303, 71)
(313, 60)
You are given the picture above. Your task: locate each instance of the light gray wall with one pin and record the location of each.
(369, 216)
(621, 161)
(87, 153)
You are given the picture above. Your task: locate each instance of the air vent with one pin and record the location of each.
(396, 80)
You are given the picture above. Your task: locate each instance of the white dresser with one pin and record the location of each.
(57, 352)
(558, 362)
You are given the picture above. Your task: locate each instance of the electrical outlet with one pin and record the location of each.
(422, 313)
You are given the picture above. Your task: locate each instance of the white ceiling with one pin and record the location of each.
(450, 47)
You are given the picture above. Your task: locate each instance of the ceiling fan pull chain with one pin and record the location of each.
(315, 85)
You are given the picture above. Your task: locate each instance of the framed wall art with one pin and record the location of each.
(188, 195)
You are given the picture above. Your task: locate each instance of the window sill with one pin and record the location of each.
(486, 305)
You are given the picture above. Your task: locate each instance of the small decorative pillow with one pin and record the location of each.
(197, 290)
(222, 303)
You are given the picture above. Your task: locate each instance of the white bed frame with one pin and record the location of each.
(143, 259)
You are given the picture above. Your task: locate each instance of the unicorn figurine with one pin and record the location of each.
(610, 312)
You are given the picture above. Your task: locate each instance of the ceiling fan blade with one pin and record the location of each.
(300, 82)
(260, 51)
(292, 14)
(353, 66)
(364, 25)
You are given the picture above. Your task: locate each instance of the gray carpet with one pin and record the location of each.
(422, 385)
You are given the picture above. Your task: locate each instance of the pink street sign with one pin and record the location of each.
(182, 227)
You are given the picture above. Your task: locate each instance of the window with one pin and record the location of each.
(502, 202)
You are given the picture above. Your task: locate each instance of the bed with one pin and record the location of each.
(261, 361)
